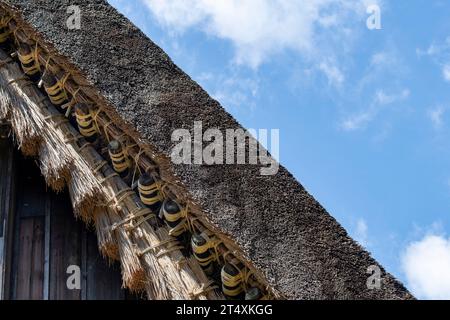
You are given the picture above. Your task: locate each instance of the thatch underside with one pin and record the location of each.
(65, 158)
(280, 230)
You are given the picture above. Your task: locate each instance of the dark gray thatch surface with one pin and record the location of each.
(303, 252)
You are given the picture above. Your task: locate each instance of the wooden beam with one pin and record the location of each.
(3, 162)
(47, 230)
(2, 272)
(84, 265)
(8, 208)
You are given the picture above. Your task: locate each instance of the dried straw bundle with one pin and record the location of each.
(133, 273)
(156, 286)
(32, 115)
(14, 107)
(149, 257)
(181, 280)
(54, 164)
(86, 193)
(34, 119)
(105, 238)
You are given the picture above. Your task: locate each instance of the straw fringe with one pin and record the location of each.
(55, 166)
(85, 193)
(14, 107)
(105, 238)
(163, 272)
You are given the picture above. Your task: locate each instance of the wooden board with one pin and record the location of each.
(102, 280)
(65, 250)
(7, 192)
(30, 259)
(3, 165)
(3, 171)
(47, 239)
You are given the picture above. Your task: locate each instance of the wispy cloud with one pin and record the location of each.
(358, 121)
(436, 115)
(385, 67)
(234, 91)
(381, 99)
(334, 75)
(446, 72)
(259, 29)
(382, 59)
(435, 49)
(440, 53)
(384, 98)
(361, 232)
(426, 264)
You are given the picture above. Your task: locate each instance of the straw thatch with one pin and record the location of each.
(291, 242)
(55, 166)
(106, 240)
(99, 195)
(14, 108)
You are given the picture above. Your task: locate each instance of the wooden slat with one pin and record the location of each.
(45, 231)
(48, 208)
(37, 260)
(8, 209)
(25, 249)
(28, 265)
(65, 249)
(84, 257)
(2, 266)
(31, 259)
(3, 165)
(103, 281)
(3, 178)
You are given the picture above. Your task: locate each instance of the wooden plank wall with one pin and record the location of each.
(3, 165)
(7, 191)
(28, 258)
(47, 240)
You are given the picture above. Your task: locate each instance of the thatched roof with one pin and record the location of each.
(300, 249)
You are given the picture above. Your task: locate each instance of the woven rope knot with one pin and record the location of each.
(204, 288)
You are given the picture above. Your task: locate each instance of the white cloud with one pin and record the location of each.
(235, 91)
(179, 14)
(426, 264)
(430, 51)
(435, 115)
(382, 58)
(358, 121)
(361, 233)
(435, 49)
(385, 98)
(446, 72)
(258, 29)
(334, 75)
(361, 119)
(440, 53)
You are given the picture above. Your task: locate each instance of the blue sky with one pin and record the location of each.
(363, 114)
